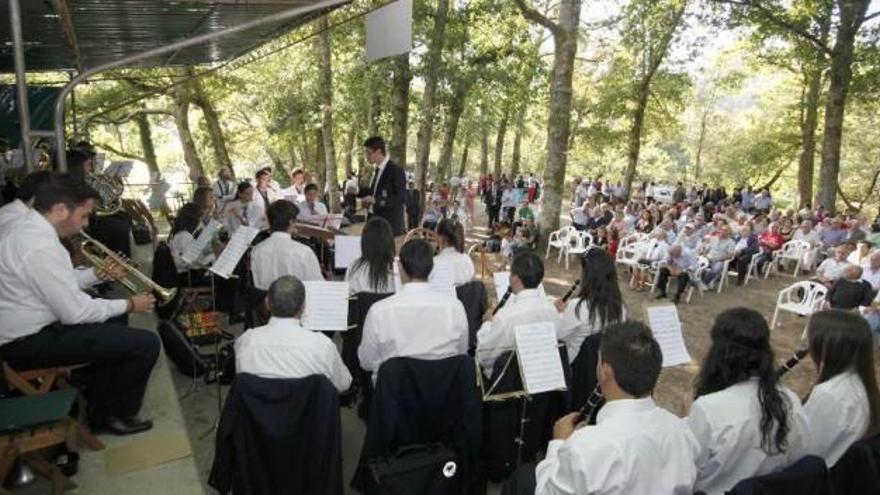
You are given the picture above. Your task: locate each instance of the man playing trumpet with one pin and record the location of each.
(46, 319)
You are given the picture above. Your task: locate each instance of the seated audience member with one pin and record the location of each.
(418, 321)
(279, 254)
(432, 216)
(24, 198)
(580, 216)
(526, 305)
(745, 423)
(871, 270)
(832, 269)
(769, 242)
(655, 251)
(719, 250)
(833, 233)
(598, 302)
(374, 270)
(679, 264)
(311, 209)
(183, 233)
(635, 447)
(239, 211)
(450, 235)
(283, 348)
(746, 247)
(844, 404)
(855, 234)
(850, 291)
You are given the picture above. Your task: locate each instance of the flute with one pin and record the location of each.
(571, 290)
(503, 300)
(591, 405)
(792, 362)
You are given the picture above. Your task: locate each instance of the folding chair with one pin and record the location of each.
(801, 298)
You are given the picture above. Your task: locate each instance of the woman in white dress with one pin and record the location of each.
(373, 271)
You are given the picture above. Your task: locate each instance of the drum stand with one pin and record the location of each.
(216, 424)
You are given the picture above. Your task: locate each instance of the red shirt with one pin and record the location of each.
(771, 241)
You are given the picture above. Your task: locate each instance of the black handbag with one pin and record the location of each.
(431, 469)
(181, 351)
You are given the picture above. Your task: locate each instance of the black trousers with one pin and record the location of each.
(663, 281)
(493, 212)
(521, 482)
(741, 263)
(120, 360)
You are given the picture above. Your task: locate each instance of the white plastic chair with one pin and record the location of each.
(725, 275)
(812, 299)
(696, 276)
(794, 251)
(559, 239)
(578, 244)
(752, 270)
(628, 255)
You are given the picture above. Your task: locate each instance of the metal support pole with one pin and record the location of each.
(24, 112)
(178, 45)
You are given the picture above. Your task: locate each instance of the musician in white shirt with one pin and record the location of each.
(598, 302)
(745, 423)
(373, 271)
(844, 404)
(240, 212)
(264, 195)
(450, 236)
(24, 198)
(183, 233)
(526, 305)
(296, 192)
(418, 321)
(47, 321)
(224, 189)
(310, 209)
(283, 348)
(279, 254)
(635, 447)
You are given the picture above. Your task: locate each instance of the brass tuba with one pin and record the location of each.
(100, 255)
(110, 189)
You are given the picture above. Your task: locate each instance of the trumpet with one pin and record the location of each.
(100, 255)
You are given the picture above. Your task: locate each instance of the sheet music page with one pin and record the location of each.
(235, 249)
(347, 250)
(539, 360)
(326, 306)
(195, 249)
(666, 327)
(333, 221)
(502, 281)
(442, 278)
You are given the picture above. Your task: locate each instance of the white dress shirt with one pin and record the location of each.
(462, 265)
(635, 448)
(838, 414)
(727, 426)
(870, 275)
(811, 237)
(497, 336)
(12, 211)
(178, 245)
(284, 349)
(417, 322)
(38, 285)
(238, 213)
(225, 191)
(314, 213)
(831, 269)
(576, 328)
(358, 277)
(280, 255)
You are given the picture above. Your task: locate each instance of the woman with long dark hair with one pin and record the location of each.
(745, 423)
(183, 232)
(374, 270)
(844, 405)
(598, 302)
(450, 236)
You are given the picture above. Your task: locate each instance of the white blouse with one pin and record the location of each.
(838, 414)
(358, 277)
(462, 265)
(575, 329)
(178, 244)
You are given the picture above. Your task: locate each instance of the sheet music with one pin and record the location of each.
(441, 278)
(235, 249)
(326, 306)
(502, 282)
(195, 249)
(539, 361)
(666, 328)
(347, 250)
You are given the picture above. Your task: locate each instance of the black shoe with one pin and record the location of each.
(123, 426)
(661, 295)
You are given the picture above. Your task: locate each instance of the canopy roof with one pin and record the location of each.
(79, 34)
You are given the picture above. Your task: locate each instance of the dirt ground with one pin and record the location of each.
(675, 388)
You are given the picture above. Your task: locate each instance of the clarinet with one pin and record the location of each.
(792, 362)
(571, 290)
(503, 300)
(591, 405)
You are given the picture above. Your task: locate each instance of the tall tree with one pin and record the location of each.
(399, 108)
(181, 97)
(426, 114)
(565, 37)
(326, 100)
(145, 134)
(517, 151)
(201, 99)
(464, 157)
(484, 151)
(499, 141)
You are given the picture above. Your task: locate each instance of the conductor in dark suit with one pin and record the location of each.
(386, 195)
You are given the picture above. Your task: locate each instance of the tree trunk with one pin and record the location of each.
(698, 160)
(399, 109)
(146, 136)
(181, 97)
(326, 95)
(484, 151)
(635, 136)
(852, 15)
(350, 151)
(212, 120)
(320, 161)
(499, 141)
(807, 158)
(517, 152)
(375, 111)
(456, 107)
(464, 158)
(426, 113)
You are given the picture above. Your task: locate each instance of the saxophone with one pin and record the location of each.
(110, 189)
